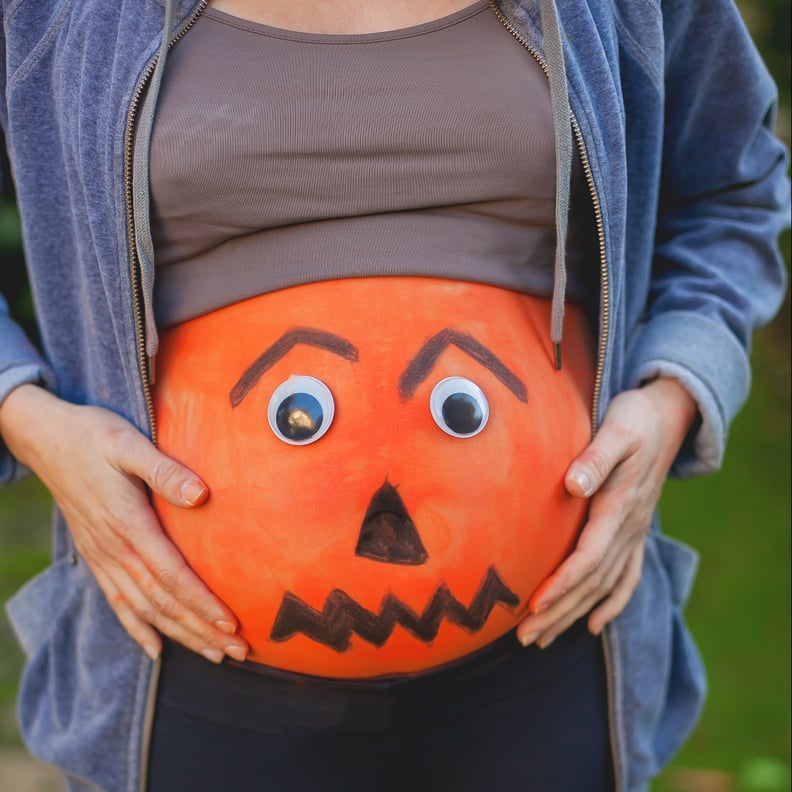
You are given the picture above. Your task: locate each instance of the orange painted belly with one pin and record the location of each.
(385, 460)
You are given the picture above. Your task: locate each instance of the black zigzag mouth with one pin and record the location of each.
(342, 615)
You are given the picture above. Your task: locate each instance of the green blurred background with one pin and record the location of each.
(739, 519)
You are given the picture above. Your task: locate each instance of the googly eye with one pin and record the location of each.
(459, 407)
(301, 410)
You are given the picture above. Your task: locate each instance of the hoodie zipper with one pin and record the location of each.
(145, 364)
(603, 340)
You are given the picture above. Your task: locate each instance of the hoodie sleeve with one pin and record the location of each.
(717, 272)
(20, 361)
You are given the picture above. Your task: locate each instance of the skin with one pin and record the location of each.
(97, 466)
(340, 16)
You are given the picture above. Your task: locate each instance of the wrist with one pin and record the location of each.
(675, 404)
(25, 416)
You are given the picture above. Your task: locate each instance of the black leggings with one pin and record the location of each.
(505, 719)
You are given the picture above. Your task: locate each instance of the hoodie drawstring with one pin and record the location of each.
(559, 98)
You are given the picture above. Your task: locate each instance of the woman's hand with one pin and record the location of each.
(96, 465)
(622, 471)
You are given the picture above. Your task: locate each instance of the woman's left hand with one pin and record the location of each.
(622, 470)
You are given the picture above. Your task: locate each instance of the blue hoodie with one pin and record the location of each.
(672, 111)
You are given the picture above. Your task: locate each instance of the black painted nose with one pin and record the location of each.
(388, 533)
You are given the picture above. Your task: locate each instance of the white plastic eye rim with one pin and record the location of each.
(301, 383)
(447, 387)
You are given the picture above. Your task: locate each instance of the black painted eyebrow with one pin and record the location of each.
(297, 335)
(419, 367)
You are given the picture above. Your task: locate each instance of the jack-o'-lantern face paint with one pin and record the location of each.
(301, 410)
(386, 462)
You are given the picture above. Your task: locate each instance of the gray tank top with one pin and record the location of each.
(280, 158)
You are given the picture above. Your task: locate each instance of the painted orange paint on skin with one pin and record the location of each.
(387, 545)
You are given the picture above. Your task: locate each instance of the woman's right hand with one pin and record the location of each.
(96, 465)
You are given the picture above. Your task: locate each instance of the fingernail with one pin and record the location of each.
(239, 653)
(192, 491)
(226, 627)
(152, 651)
(545, 642)
(212, 655)
(527, 640)
(583, 481)
(541, 607)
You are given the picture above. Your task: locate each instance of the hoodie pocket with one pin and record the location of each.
(37, 607)
(658, 674)
(680, 562)
(686, 676)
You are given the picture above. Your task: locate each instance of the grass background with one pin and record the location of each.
(739, 519)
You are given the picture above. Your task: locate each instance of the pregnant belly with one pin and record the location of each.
(385, 458)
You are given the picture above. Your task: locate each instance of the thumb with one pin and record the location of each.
(595, 464)
(166, 477)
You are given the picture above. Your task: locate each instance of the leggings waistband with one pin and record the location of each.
(258, 697)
